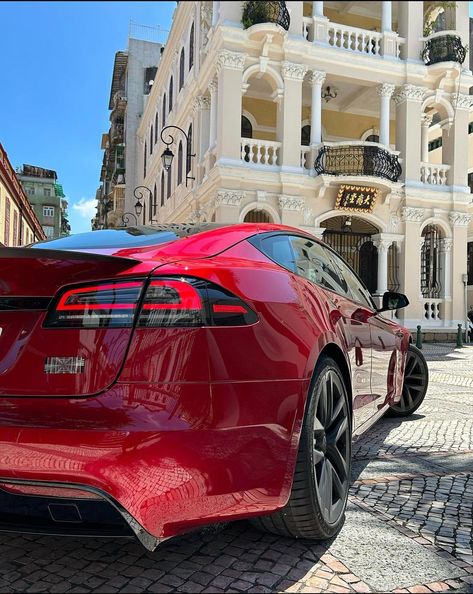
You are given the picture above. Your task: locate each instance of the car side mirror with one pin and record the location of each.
(392, 300)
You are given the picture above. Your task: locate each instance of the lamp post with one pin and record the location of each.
(139, 194)
(168, 155)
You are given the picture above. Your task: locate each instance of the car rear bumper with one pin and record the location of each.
(161, 459)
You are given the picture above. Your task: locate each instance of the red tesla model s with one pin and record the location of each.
(156, 379)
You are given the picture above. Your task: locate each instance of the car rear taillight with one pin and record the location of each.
(167, 302)
(96, 306)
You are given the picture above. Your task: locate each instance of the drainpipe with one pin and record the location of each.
(465, 286)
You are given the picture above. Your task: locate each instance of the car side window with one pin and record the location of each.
(279, 249)
(359, 292)
(313, 263)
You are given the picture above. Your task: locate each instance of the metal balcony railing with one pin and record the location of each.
(358, 159)
(255, 13)
(444, 46)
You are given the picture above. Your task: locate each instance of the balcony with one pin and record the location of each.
(434, 174)
(256, 13)
(357, 158)
(443, 46)
(260, 152)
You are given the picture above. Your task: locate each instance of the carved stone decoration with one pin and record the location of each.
(385, 90)
(412, 215)
(461, 101)
(213, 86)
(199, 215)
(231, 60)
(293, 70)
(394, 223)
(382, 244)
(426, 120)
(201, 103)
(459, 219)
(411, 92)
(317, 77)
(287, 202)
(229, 197)
(205, 22)
(308, 216)
(446, 244)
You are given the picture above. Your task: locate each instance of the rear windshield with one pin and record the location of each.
(132, 236)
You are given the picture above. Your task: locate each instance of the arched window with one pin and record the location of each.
(162, 188)
(305, 135)
(430, 276)
(145, 155)
(179, 164)
(151, 140)
(156, 127)
(246, 127)
(171, 85)
(372, 138)
(189, 149)
(182, 61)
(191, 47)
(257, 216)
(169, 180)
(163, 118)
(155, 202)
(150, 206)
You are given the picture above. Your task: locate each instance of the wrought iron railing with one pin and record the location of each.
(265, 12)
(443, 47)
(358, 159)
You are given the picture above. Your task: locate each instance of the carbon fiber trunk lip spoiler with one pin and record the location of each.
(46, 254)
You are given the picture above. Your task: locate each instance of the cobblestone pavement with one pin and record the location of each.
(408, 526)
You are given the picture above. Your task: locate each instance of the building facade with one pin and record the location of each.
(133, 74)
(18, 222)
(46, 196)
(320, 115)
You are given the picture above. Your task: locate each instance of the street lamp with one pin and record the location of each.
(168, 155)
(138, 193)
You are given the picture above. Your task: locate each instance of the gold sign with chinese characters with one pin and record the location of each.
(356, 198)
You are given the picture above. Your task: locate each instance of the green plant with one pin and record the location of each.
(253, 13)
(432, 13)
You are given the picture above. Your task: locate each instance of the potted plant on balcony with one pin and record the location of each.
(265, 12)
(441, 48)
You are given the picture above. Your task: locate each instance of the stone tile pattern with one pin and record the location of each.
(432, 507)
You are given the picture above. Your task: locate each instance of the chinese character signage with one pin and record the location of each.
(356, 198)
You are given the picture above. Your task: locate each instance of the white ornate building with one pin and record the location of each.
(322, 117)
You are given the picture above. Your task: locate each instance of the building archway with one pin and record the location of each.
(257, 216)
(351, 238)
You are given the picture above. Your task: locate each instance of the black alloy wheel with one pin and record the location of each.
(416, 382)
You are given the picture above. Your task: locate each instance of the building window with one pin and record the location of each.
(168, 192)
(30, 190)
(181, 69)
(15, 228)
(171, 88)
(151, 140)
(246, 127)
(145, 154)
(189, 150)
(179, 164)
(470, 262)
(48, 231)
(191, 47)
(162, 188)
(155, 201)
(470, 181)
(305, 135)
(431, 287)
(156, 126)
(470, 127)
(435, 144)
(164, 110)
(48, 211)
(46, 191)
(7, 222)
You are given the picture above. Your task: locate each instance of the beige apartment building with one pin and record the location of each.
(322, 115)
(18, 222)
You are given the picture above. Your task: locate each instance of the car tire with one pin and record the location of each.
(414, 388)
(318, 499)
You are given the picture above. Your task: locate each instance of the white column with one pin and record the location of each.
(215, 11)
(318, 8)
(386, 16)
(424, 143)
(290, 116)
(317, 79)
(213, 88)
(385, 92)
(446, 264)
(382, 245)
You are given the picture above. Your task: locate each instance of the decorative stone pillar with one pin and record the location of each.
(410, 27)
(385, 92)
(316, 79)
(321, 23)
(318, 8)
(459, 222)
(382, 244)
(454, 145)
(408, 100)
(425, 124)
(292, 208)
(290, 116)
(446, 266)
(386, 16)
(213, 88)
(410, 264)
(201, 108)
(227, 204)
(229, 71)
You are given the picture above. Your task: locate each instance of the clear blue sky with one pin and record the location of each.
(55, 73)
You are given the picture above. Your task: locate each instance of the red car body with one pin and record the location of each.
(174, 427)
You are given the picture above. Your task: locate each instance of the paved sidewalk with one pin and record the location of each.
(408, 527)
